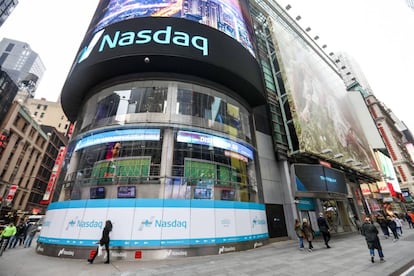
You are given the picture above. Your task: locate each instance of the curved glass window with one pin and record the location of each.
(161, 139)
(165, 102)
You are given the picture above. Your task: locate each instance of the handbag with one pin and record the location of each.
(100, 250)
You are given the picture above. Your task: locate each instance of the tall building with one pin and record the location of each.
(20, 159)
(30, 159)
(164, 143)
(396, 143)
(8, 90)
(328, 154)
(205, 132)
(48, 113)
(45, 191)
(352, 73)
(23, 65)
(6, 8)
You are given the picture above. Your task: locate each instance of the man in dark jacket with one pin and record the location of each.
(324, 228)
(371, 236)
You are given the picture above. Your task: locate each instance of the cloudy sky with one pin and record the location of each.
(376, 33)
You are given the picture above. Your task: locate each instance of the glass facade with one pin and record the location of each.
(160, 139)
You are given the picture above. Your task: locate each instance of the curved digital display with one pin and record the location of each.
(227, 16)
(161, 46)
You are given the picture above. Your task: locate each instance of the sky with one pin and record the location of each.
(378, 34)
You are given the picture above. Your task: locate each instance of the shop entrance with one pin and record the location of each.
(336, 214)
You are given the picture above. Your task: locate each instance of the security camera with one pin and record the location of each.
(146, 60)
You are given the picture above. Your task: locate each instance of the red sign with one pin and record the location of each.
(12, 192)
(54, 176)
(365, 189)
(383, 187)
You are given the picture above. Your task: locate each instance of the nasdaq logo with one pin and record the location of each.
(164, 36)
(146, 223)
(84, 224)
(258, 221)
(87, 50)
(71, 223)
(171, 223)
(159, 223)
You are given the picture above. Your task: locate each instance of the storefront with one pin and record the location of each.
(322, 189)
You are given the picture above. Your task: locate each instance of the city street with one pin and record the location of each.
(348, 256)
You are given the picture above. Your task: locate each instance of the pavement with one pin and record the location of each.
(349, 255)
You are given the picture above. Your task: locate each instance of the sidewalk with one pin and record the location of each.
(348, 256)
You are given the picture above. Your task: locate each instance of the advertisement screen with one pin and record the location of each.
(317, 178)
(97, 192)
(227, 16)
(208, 39)
(126, 192)
(322, 114)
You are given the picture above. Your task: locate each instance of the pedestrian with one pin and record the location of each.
(384, 226)
(8, 233)
(393, 226)
(324, 228)
(308, 232)
(104, 241)
(370, 231)
(399, 222)
(299, 233)
(409, 221)
(16, 239)
(31, 232)
(411, 214)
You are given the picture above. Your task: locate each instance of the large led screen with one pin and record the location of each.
(227, 16)
(322, 114)
(319, 179)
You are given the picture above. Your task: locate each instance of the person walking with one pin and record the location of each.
(104, 241)
(384, 226)
(16, 239)
(399, 222)
(370, 231)
(409, 221)
(308, 233)
(299, 233)
(393, 226)
(32, 229)
(8, 233)
(324, 228)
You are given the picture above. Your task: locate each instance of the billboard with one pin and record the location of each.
(322, 115)
(319, 179)
(388, 171)
(228, 16)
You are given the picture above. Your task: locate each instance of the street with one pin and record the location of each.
(348, 256)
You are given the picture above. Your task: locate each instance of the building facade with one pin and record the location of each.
(20, 160)
(194, 118)
(6, 8)
(23, 65)
(8, 90)
(48, 113)
(165, 141)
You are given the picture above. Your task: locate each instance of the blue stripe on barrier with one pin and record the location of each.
(152, 243)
